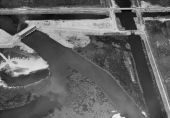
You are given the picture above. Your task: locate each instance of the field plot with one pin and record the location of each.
(54, 3)
(153, 3)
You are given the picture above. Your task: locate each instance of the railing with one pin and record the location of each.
(17, 37)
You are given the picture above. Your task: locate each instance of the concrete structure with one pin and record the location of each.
(16, 39)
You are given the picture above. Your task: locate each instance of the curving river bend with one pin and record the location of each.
(58, 58)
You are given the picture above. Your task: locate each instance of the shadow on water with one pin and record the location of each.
(151, 95)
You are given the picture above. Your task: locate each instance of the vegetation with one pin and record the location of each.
(163, 3)
(13, 97)
(86, 100)
(161, 47)
(112, 59)
(52, 3)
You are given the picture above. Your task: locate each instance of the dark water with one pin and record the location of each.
(154, 105)
(63, 16)
(15, 18)
(146, 80)
(123, 3)
(126, 19)
(18, 20)
(156, 14)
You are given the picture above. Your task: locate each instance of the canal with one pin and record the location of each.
(145, 73)
(123, 3)
(150, 91)
(60, 57)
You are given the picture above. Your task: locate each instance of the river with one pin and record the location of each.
(57, 57)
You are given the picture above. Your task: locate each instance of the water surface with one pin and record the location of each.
(58, 57)
(147, 80)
